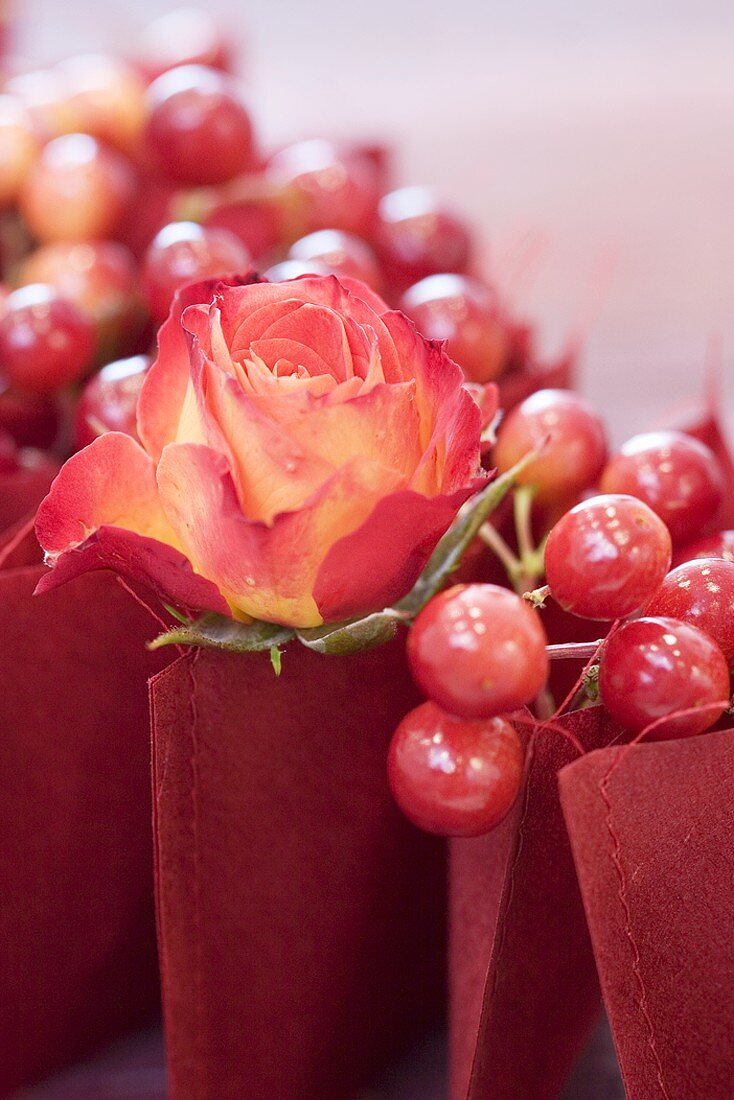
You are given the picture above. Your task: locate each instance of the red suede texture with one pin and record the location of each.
(651, 828)
(77, 965)
(523, 985)
(300, 916)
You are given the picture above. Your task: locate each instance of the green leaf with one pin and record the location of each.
(217, 632)
(339, 639)
(446, 558)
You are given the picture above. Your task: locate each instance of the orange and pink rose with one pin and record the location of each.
(302, 449)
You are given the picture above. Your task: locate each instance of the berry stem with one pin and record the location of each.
(538, 596)
(522, 505)
(578, 650)
(491, 537)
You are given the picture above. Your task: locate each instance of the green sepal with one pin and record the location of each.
(214, 631)
(340, 639)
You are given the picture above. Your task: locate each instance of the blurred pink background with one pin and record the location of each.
(601, 134)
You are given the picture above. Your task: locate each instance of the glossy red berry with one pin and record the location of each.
(293, 269)
(606, 556)
(325, 186)
(45, 342)
(679, 477)
(452, 776)
(340, 254)
(468, 314)
(186, 36)
(574, 454)
(108, 402)
(77, 189)
(478, 650)
(720, 545)
(99, 277)
(198, 129)
(415, 235)
(701, 593)
(185, 252)
(654, 667)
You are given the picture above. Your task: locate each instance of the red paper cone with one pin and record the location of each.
(651, 827)
(77, 964)
(523, 983)
(300, 916)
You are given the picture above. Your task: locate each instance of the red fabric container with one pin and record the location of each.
(300, 916)
(651, 827)
(523, 985)
(77, 965)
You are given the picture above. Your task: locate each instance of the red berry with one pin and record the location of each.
(109, 400)
(184, 252)
(76, 190)
(679, 477)
(701, 593)
(45, 343)
(651, 668)
(467, 313)
(478, 650)
(32, 420)
(186, 36)
(452, 776)
(576, 448)
(606, 556)
(44, 96)
(18, 147)
(416, 236)
(257, 222)
(106, 97)
(326, 187)
(99, 277)
(293, 269)
(198, 129)
(340, 253)
(720, 545)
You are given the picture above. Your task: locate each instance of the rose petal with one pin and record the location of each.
(379, 563)
(164, 390)
(266, 571)
(381, 425)
(109, 483)
(159, 568)
(274, 471)
(450, 417)
(238, 302)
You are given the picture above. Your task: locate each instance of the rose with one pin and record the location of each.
(303, 450)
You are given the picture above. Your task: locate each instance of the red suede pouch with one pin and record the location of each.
(523, 985)
(78, 964)
(300, 916)
(651, 828)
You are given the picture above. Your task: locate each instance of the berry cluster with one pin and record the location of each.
(123, 179)
(610, 526)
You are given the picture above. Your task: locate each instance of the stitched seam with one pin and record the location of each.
(196, 884)
(622, 895)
